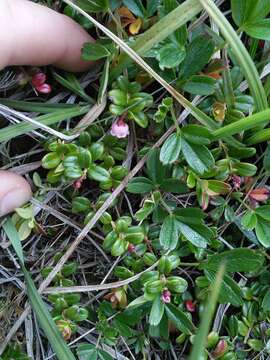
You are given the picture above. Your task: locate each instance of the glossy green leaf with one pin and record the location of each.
(194, 234)
(236, 260)
(170, 150)
(179, 319)
(230, 292)
(140, 185)
(262, 230)
(198, 54)
(200, 85)
(98, 173)
(170, 55)
(94, 51)
(199, 158)
(157, 311)
(169, 233)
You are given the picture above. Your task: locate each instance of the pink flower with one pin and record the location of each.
(77, 184)
(120, 129)
(44, 88)
(38, 79)
(166, 296)
(190, 306)
(237, 181)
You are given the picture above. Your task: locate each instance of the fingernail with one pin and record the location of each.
(12, 199)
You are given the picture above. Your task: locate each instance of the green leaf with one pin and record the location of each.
(174, 185)
(51, 331)
(199, 158)
(230, 292)
(200, 85)
(266, 301)
(24, 230)
(259, 29)
(103, 355)
(236, 260)
(87, 352)
(170, 55)
(98, 173)
(140, 185)
(264, 212)
(197, 134)
(135, 6)
(70, 82)
(198, 54)
(157, 311)
(192, 234)
(169, 233)
(51, 160)
(145, 210)
(94, 51)
(163, 109)
(170, 150)
(249, 220)
(139, 117)
(179, 319)
(155, 170)
(262, 230)
(25, 213)
(241, 10)
(247, 10)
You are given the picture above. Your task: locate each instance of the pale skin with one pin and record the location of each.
(31, 34)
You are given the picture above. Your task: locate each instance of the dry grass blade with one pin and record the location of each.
(99, 287)
(91, 116)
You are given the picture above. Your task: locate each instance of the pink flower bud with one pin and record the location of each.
(120, 129)
(38, 79)
(166, 296)
(77, 184)
(190, 306)
(236, 180)
(44, 88)
(220, 349)
(131, 248)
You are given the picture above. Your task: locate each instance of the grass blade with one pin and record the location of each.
(201, 336)
(261, 118)
(39, 107)
(12, 131)
(44, 317)
(248, 67)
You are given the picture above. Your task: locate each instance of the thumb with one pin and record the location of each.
(32, 34)
(14, 191)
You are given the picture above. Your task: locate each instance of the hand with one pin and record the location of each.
(32, 34)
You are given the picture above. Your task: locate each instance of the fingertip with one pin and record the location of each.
(15, 191)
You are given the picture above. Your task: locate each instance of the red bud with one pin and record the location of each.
(44, 88)
(190, 306)
(38, 79)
